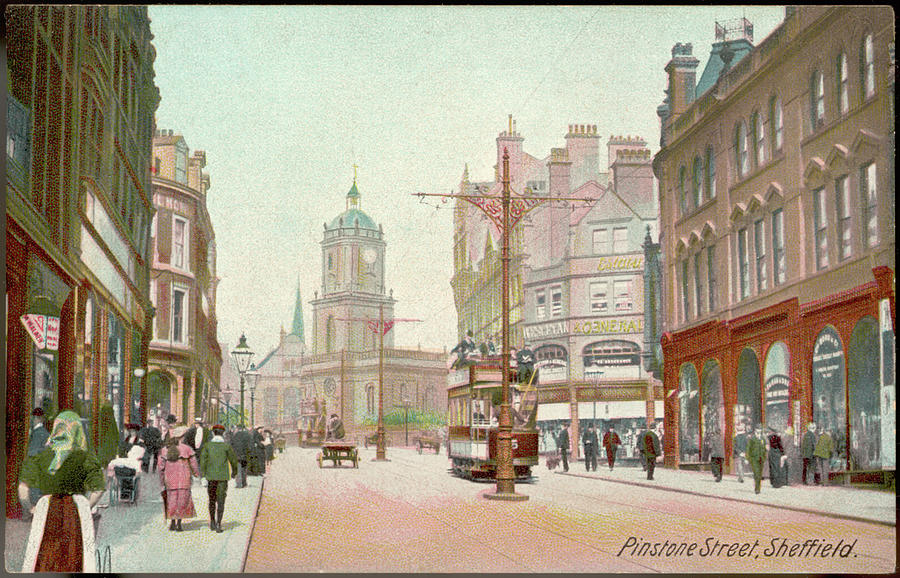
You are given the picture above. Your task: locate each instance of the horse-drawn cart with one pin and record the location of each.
(338, 453)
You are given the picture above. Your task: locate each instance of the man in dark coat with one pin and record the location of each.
(197, 436)
(739, 451)
(611, 442)
(716, 447)
(153, 442)
(562, 442)
(242, 442)
(590, 441)
(650, 446)
(756, 455)
(807, 449)
(463, 350)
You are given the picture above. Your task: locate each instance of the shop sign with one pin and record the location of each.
(827, 356)
(550, 371)
(606, 326)
(42, 324)
(620, 264)
(544, 330)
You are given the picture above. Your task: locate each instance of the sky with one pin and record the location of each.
(286, 99)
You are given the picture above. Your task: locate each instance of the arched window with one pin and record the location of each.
(776, 124)
(817, 100)
(710, 172)
(829, 390)
(688, 414)
(864, 388)
(370, 398)
(712, 414)
(749, 400)
(697, 182)
(682, 192)
(867, 67)
(741, 149)
(843, 92)
(551, 354)
(778, 387)
(759, 139)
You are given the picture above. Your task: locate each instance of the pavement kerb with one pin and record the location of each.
(262, 486)
(707, 495)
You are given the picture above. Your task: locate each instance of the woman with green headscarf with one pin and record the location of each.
(62, 531)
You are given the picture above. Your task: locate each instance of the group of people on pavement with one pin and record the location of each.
(649, 447)
(755, 450)
(63, 479)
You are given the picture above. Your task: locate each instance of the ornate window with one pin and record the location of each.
(711, 275)
(867, 67)
(778, 255)
(599, 298)
(845, 229)
(698, 287)
(776, 121)
(759, 137)
(697, 182)
(817, 100)
(685, 308)
(820, 225)
(843, 92)
(759, 239)
(743, 264)
(741, 147)
(682, 193)
(710, 172)
(869, 204)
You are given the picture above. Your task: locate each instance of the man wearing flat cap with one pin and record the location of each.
(218, 464)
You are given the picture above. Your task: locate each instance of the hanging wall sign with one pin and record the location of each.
(41, 321)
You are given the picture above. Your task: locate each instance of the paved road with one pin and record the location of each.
(410, 515)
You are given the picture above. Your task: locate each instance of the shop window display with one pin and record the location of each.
(713, 411)
(778, 387)
(829, 390)
(863, 361)
(689, 414)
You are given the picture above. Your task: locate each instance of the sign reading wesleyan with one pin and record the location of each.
(545, 330)
(620, 263)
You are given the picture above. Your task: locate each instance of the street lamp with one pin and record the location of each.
(139, 372)
(226, 395)
(242, 354)
(406, 403)
(252, 381)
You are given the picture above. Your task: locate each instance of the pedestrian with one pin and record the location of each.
(562, 443)
(716, 447)
(756, 456)
(197, 435)
(651, 449)
(242, 443)
(807, 453)
(258, 454)
(335, 429)
(269, 446)
(131, 439)
(777, 459)
(62, 531)
(639, 449)
(177, 465)
(611, 443)
(824, 449)
(218, 464)
(153, 441)
(525, 364)
(39, 433)
(791, 471)
(589, 439)
(739, 450)
(167, 427)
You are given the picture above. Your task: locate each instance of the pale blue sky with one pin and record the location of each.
(285, 99)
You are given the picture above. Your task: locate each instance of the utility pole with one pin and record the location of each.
(521, 205)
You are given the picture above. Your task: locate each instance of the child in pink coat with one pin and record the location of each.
(177, 463)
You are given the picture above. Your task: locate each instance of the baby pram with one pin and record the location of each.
(127, 484)
(124, 481)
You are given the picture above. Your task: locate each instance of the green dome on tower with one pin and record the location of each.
(354, 216)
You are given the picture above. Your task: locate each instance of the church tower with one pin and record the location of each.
(353, 282)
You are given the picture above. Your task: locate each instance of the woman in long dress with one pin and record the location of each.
(177, 463)
(777, 469)
(62, 531)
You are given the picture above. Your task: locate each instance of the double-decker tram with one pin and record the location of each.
(474, 397)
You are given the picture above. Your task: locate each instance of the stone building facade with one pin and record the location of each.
(185, 358)
(777, 227)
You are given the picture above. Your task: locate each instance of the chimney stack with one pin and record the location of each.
(682, 71)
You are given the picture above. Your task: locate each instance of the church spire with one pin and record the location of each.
(297, 326)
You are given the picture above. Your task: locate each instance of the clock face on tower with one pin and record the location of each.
(329, 386)
(369, 255)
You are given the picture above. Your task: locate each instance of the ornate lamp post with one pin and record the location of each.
(226, 395)
(242, 354)
(252, 381)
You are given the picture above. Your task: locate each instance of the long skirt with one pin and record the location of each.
(179, 504)
(777, 474)
(62, 536)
